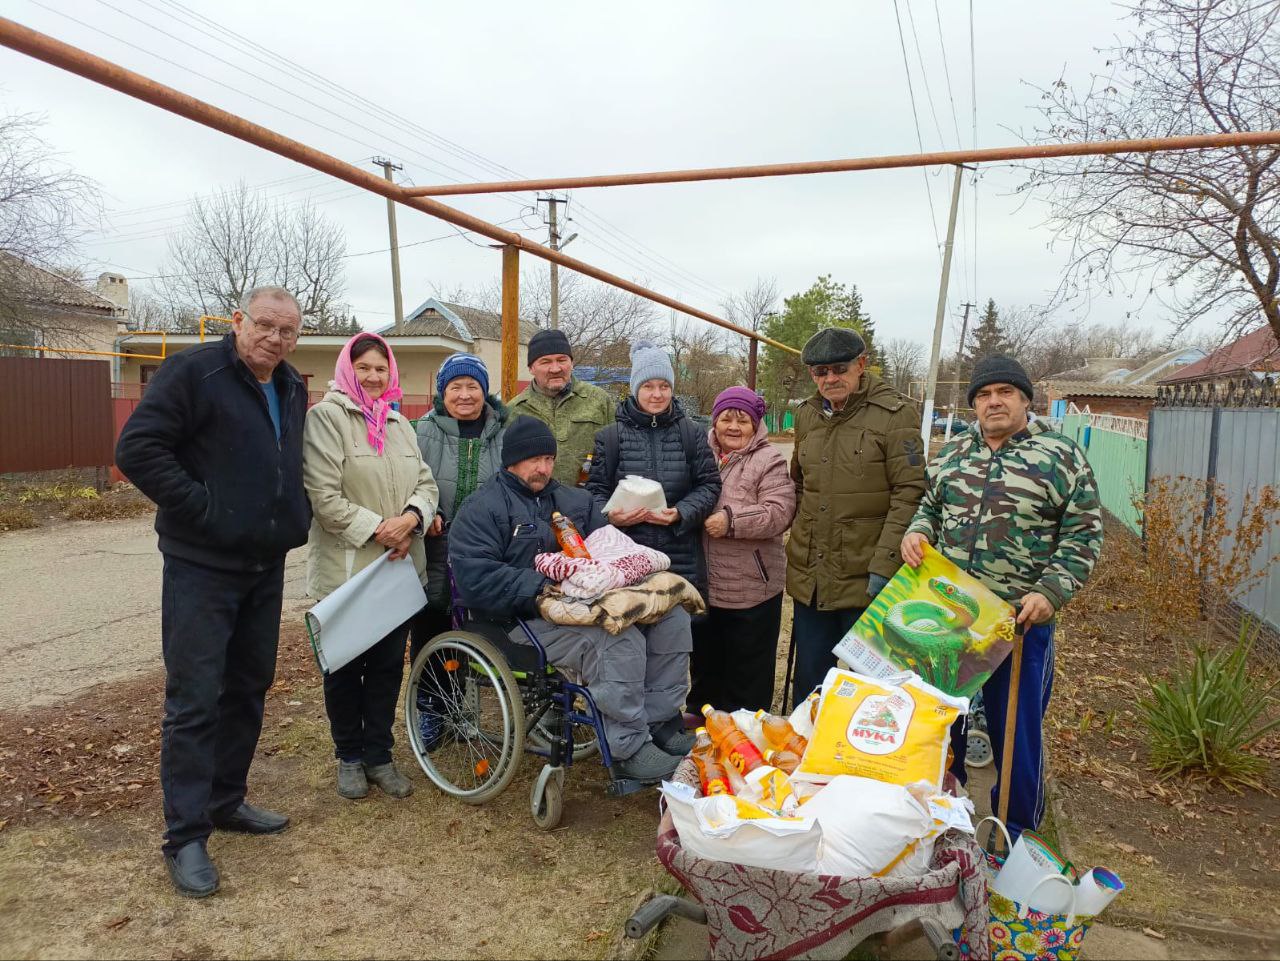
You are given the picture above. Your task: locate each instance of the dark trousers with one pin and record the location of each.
(219, 633)
(813, 634)
(734, 654)
(1026, 784)
(360, 699)
(425, 625)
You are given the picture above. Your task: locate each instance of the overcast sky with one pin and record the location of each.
(555, 89)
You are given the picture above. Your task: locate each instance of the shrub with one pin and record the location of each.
(1204, 718)
(16, 519)
(57, 494)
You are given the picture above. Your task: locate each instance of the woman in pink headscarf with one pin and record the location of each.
(370, 493)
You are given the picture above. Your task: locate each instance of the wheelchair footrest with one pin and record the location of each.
(622, 786)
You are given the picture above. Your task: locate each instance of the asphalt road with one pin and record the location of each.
(81, 605)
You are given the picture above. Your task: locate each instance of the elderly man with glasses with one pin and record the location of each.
(217, 443)
(858, 467)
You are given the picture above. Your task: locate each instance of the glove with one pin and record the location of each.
(875, 583)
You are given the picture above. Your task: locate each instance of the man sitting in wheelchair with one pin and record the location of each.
(638, 678)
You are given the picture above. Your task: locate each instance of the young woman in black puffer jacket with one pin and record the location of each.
(652, 438)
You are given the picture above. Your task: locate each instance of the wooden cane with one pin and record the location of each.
(1010, 723)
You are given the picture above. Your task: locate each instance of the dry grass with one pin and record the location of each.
(16, 518)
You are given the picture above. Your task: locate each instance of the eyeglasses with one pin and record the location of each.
(263, 329)
(838, 369)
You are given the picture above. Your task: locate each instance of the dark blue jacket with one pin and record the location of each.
(202, 446)
(497, 533)
(679, 458)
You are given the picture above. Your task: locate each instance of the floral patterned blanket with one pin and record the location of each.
(759, 913)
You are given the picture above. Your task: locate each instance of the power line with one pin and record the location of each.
(915, 116)
(946, 70)
(924, 74)
(973, 96)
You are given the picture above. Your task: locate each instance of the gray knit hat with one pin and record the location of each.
(833, 345)
(998, 369)
(649, 362)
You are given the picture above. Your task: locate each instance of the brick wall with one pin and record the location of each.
(1119, 406)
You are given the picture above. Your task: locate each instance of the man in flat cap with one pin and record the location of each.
(858, 467)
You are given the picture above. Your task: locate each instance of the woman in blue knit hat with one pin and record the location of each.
(461, 441)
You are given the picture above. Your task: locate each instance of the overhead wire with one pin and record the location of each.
(915, 117)
(973, 96)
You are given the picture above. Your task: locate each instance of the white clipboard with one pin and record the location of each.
(363, 611)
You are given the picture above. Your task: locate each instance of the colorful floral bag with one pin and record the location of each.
(1017, 933)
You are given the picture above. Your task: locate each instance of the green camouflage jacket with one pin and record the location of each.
(574, 417)
(1023, 518)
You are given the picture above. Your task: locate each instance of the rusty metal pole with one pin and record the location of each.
(752, 357)
(1247, 138)
(510, 321)
(81, 62)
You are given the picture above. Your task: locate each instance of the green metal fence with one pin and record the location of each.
(1118, 456)
(788, 421)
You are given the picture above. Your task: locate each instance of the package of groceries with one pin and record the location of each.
(875, 829)
(934, 620)
(733, 829)
(894, 729)
(633, 492)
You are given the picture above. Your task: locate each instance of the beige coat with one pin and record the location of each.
(352, 489)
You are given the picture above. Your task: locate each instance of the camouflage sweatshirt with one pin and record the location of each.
(1023, 518)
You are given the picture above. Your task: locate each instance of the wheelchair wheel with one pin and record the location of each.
(549, 808)
(465, 716)
(585, 743)
(977, 751)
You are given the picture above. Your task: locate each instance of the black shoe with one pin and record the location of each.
(191, 871)
(251, 820)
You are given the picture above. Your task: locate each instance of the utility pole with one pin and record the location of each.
(964, 330)
(552, 203)
(387, 168)
(935, 356)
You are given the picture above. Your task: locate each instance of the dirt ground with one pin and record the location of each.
(1189, 852)
(81, 875)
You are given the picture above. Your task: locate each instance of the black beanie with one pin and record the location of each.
(527, 437)
(998, 369)
(546, 342)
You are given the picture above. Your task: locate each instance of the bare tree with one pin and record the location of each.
(750, 308)
(1205, 223)
(46, 208)
(706, 359)
(904, 362)
(235, 240)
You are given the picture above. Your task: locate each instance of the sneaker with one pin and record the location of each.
(352, 784)
(430, 722)
(389, 778)
(650, 763)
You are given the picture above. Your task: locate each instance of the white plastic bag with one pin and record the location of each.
(633, 492)
(724, 828)
(876, 829)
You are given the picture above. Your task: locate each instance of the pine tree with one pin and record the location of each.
(986, 339)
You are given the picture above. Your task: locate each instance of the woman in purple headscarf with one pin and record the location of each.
(736, 645)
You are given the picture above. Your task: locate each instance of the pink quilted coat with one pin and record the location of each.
(749, 566)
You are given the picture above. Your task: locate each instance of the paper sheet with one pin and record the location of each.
(363, 611)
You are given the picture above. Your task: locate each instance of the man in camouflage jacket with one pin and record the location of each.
(1014, 503)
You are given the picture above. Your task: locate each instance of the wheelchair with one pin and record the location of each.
(497, 699)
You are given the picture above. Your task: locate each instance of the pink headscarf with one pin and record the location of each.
(375, 411)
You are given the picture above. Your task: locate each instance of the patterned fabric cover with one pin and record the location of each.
(645, 603)
(759, 913)
(616, 561)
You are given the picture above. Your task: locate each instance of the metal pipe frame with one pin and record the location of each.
(74, 60)
(1094, 148)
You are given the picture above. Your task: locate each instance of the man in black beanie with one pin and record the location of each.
(574, 410)
(638, 679)
(1014, 503)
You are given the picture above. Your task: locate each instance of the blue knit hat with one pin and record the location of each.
(462, 365)
(649, 362)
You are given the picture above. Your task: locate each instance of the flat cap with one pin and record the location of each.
(833, 345)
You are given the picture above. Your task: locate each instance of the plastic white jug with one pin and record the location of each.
(1096, 890)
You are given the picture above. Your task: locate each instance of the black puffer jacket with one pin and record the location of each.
(653, 446)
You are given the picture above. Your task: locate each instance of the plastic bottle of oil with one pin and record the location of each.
(734, 746)
(715, 779)
(585, 471)
(779, 734)
(567, 536)
(784, 761)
